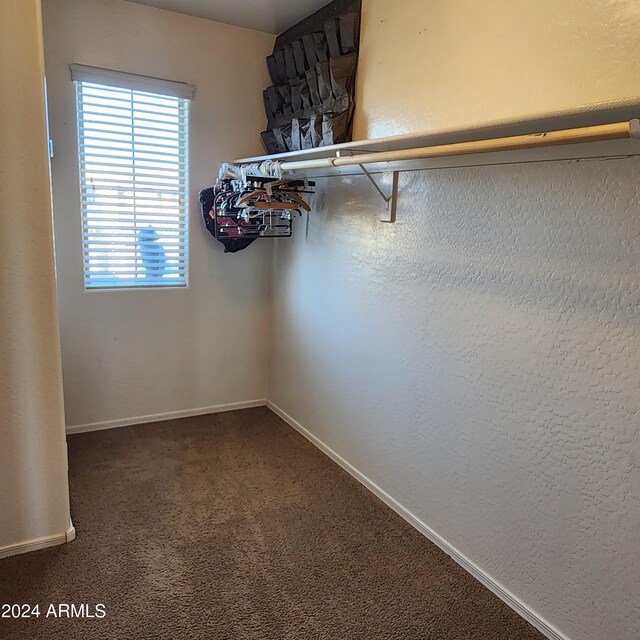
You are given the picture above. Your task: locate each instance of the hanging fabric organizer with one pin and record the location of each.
(310, 104)
(313, 68)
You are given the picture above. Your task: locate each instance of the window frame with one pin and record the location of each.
(145, 87)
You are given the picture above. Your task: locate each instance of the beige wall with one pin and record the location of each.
(34, 501)
(134, 353)
(478, 360)
(434, 64)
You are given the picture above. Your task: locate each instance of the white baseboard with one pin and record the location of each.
(466, 563)
(159, 417)
(38, 543)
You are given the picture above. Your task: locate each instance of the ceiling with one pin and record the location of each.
(270, 16)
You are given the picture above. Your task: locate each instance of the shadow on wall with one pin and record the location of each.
(499, 242)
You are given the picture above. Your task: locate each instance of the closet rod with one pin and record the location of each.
(598, 133)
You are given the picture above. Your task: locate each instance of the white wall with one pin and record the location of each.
(426, 64)
(34, 499)
(478, 360)
(133, 353)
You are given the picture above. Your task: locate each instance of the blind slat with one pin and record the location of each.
(120, 245)
(134, 274)
(117, 254)
(123, 103)
(126, 232)
(131, 140)
(129, 159)
(159, 134)
(174, 284)
(126, 253)
(103, 225)
(107, 114)
(115, 271)
(167, 175)
(139, 205)
(133, 150)
(121, 188)
(132, 265)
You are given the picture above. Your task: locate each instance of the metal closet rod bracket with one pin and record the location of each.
(391, 200)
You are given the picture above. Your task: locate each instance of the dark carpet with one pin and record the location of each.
(233, 526)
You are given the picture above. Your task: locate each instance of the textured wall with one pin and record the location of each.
(134, 353)
(448, 63)
(34, 500)
(478, 360)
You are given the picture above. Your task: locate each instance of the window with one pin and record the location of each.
(133, 152)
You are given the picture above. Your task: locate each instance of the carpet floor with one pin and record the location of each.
(234, 527)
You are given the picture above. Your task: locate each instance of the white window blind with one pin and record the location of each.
(133, 151)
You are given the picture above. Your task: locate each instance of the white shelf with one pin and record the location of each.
(586, 116)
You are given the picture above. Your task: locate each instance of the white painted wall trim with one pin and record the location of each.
(159, 417)
(38, 543)
(466, 563)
